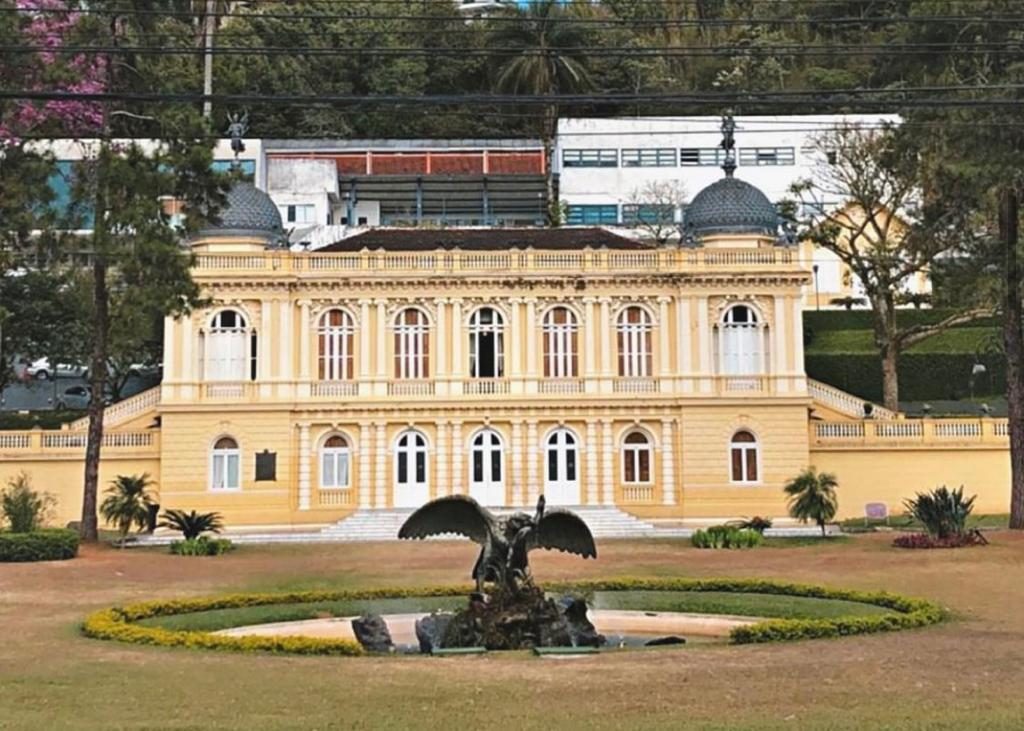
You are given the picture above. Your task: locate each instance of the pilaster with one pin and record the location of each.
(443, 482)
(532, 460)
(592, 476)
(668, 462)
(517, 463)
(457, 453)
(304, 466)
(608, 462)
(381, 497)
(365, 494)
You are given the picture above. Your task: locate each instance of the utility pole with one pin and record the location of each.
(210, 22)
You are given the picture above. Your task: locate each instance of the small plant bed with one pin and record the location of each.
(924, 540)
(192, 622)
(944, 514)
(44, 544)
(201, 546)
(726, 536)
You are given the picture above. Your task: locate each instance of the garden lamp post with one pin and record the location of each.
(817, 303)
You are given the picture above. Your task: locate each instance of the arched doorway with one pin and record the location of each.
(486, 477)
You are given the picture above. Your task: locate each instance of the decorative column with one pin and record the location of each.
(605, 325)
(591, 449)
(517, 463)
(304, 471)
(608, 460)
(265, 350)
(443, 483)
(531, 345)
(172, 373)
(458, 336)
(683, 343)
(513, 347)
(442, 375)
(285, 342)
(668, 463)
(707, 371)
(532, 458)
(457, 449)
(304, 343)
(800, 379)
(365, 494)
(380, 385)
(664, 349)
(381, 497)
(779, 368)
(188, 359)
(363, 375)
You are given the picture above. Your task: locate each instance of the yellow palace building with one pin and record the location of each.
(399, 365)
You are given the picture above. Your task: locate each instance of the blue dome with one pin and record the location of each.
(249, 212)
(731, 206)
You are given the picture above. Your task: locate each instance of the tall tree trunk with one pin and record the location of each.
(1013, 339)
(98, 382)
(550, 129)
(888, 348)
(890, 377)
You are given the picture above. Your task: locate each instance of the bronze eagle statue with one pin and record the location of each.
(505, 541)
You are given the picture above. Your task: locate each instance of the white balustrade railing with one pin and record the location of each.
(839, 429)
(123, 410)
(911, 433)
(635, 385)
(742, 384)
(335, 388)
(638, 493)
(485, 386)
(843, 402)
(561, 385)
(411, 388)
(226, 389)
(77, 440)
(957, 429)
(899, 429)
(15, 440)
(332, 497)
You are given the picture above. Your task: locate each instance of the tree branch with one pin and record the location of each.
(917, 333)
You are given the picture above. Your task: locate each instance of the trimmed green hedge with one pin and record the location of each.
(923, 376)
(119, 623)
(48, 544)
(825, 320)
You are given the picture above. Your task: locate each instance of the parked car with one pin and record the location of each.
(41, 370)
(74, 397)
(145, 370)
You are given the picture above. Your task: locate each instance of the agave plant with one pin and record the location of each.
(812, 496)
(127, 503)
(191, 525)
(943, 512)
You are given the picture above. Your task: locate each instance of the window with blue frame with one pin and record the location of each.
(655, 157)
(593, 215)
(590, 158)
(648, 213)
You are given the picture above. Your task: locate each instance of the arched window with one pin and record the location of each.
(412, 344)
(230, 348)
(744, 457)
(636, 458)
(561, 478)
(334, 462)
(486, 482)
(225, 465)
(634, 330)
(742, 342)
(335, 339)
(486, 344)
(560, 359)
(411, 470)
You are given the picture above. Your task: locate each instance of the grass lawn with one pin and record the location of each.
(963, 674)
(957, 340)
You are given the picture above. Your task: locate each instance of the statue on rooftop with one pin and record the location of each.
(505, 541)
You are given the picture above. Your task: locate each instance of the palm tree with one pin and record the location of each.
(191, 525)
(127, 503)
(551, 59)
(812, 496)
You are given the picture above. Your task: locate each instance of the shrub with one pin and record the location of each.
(119, 623)
(923, 540)
(201, 546)
(726, 536)
(24, 509)
(192, 525)
(128, 503)
(812, 496)
(50, 544)
(943, 512)
(757, 523)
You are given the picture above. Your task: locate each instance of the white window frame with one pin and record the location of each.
(335, 345)
(742, 346)
(631, 452)
(225, 455)
(560, 344)
(411, 342)
(227, 356)
(748, 451)
(635, 358)
(307, 210)
(336, 456)
(415, 445)
(488, 444)
(477, 329)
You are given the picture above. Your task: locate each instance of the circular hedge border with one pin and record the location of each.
(45, 544)
(120, 623)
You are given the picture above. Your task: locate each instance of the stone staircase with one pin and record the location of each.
(604, 522)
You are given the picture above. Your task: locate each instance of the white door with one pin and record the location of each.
(411, 489)
(561, 469)
(486, 478)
